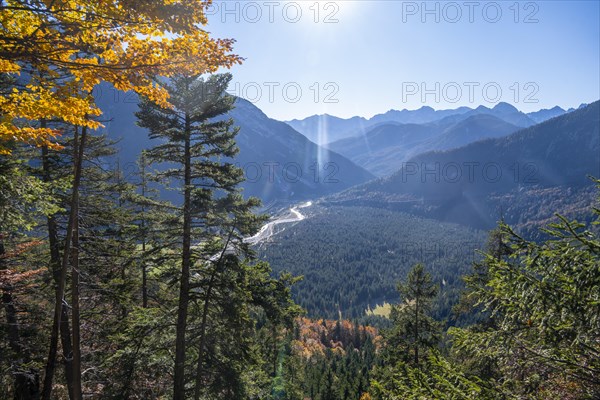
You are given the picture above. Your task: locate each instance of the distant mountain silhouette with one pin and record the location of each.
(580, 106)
(545, 114)
(302, 169)
(325, 128)
(524, 177)
(423, 115)
(474, 128)
(383, 149)
(504, 111)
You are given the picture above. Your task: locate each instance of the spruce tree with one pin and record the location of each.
(23, 199)
(414, 329)
(195, 153)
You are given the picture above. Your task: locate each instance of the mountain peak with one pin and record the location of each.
(505, 108)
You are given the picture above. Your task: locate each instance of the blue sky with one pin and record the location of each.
(363, 57)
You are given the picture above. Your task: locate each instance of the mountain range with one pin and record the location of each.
(538, 164)
(522, 177)
(280, 164)
(386, 147)
(444, 183)
(441, 184)
(324, 129)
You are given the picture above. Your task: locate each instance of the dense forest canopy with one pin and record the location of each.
(349, 271)
(389, 289)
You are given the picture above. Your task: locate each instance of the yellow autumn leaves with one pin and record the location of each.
(35, 103)
(57, 51)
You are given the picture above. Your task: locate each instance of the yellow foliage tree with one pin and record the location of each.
(61, 49)
(76, 44)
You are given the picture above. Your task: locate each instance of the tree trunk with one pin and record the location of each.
(60, 291)
(76, 364)
(144, 270)
(205, 317)
(201, 339)
(144, 277)
(76, 372)
(65, 330)
(417, 332)
(182, 312)
(275, 352)
(120, 180)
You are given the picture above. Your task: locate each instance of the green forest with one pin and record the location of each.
(145, 286)
(157, 297)
(347, 270)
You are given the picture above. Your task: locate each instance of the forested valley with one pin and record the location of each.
(148, 285)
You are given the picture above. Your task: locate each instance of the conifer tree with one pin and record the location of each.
(414, 330)
(23, 199)
(212, 218)
(542, 310)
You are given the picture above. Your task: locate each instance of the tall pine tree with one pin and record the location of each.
(211, 217)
